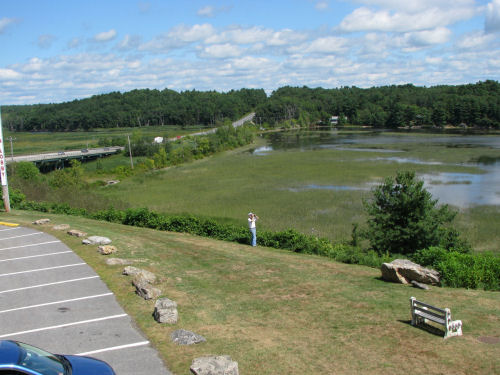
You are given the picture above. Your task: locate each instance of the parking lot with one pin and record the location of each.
(52, 299)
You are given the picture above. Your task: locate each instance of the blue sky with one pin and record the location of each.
(60, 50)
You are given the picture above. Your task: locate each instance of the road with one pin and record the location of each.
(235, 124)
(52, 299)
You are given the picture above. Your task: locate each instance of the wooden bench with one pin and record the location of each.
(422, 312)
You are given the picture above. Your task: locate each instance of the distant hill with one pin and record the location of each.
(476, 105)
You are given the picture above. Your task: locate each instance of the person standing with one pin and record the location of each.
(252, 218)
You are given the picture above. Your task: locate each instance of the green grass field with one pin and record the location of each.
(277, 312)
(29, 143)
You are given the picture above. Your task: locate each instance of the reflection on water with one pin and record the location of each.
(458, 189)
(465, 189)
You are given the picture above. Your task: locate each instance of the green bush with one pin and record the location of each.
(461, 270)
(404, 218)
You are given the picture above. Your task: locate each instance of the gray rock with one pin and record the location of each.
(418, 285)
(132, 271)
(41, 221)
(106, 249)
(143, 288)
(76, 233)
(183, 337)
(214, 365)
(96, 240)
(61, 227)
(118, 261)
(166, 311)
(405, 271)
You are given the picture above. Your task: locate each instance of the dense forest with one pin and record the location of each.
(476, 105)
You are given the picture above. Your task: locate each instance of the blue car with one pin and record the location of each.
(17, 358)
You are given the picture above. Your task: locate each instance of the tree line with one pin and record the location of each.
(476, 105)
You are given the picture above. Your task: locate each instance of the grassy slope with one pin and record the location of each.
(282, 313)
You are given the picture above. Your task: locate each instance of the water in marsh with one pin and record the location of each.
(459, 189)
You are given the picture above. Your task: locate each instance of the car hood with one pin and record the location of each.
(88, 366)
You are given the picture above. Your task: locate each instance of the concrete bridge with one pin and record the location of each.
(58, 158)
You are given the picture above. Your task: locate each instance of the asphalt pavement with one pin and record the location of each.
(50, 298)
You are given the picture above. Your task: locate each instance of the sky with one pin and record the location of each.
(53, 51)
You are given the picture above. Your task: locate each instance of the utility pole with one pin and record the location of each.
(11, 148)
(130, 153)
(3, 172)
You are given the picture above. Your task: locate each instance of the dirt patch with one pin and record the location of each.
(489, 340)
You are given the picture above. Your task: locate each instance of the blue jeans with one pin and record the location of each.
(254, 236)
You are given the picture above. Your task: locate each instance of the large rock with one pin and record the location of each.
(166, 311)
(106, 249)
(183, 337)
(61, 227)
(41, 221)
(76, 233)
(143, 288)
(132, 271)
(214, 365)
(118, 261)
(405, 271)
(96, 240)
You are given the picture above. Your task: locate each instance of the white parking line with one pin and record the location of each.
(30, 245)
(42, 269)
(64, 325)
(35, 256)
(5, 230)
(56, 302)
(48, 284)
(142, 343)
(22, 235)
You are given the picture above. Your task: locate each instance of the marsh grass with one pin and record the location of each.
(275, 186)
(277, 312)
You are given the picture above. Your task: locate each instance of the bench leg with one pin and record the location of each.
(453, 328)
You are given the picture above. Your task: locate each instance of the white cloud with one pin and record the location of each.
(6, 74)
(424, 38)
(129, 42)
(321, 5)
(206, 11)
(221, 51)
(478, 41)
(492, 22)
(105, 36)
(179, 37)
(5, 22)
(324, 45)
(409, 15)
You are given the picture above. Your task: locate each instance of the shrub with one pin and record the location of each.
(462, 270)
(404, 217)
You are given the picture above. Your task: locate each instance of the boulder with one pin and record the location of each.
(106, 249)
(76, 233)
(405, 271)
(418, 285)
(41, 221)
(214, 365)
(166, 311)
(132, 271)
(183, 337)
(143, 288)
(96, 240)
(118, 261)
(61, 227)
